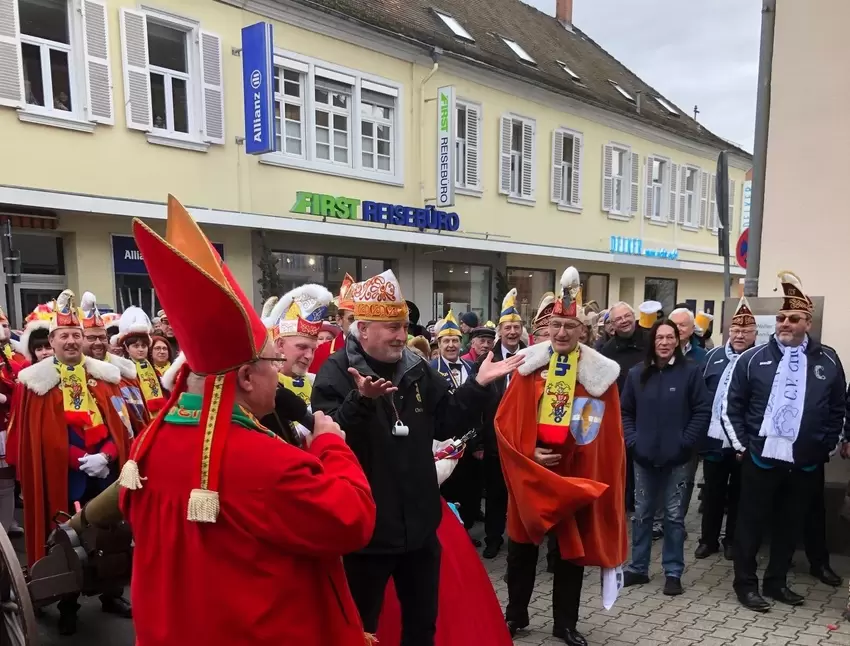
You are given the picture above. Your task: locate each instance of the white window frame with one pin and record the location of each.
(281, 99)
(376, 123)
(464, 152)
(454, 25)
(307, 66)
(518, 50)
(332, 111)
(192, 28)
(560, 170)
(662, 205)
(625, 212)
(80, 117)
(692, 223)
(507, 158)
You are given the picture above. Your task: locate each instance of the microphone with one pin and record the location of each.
(290, 407)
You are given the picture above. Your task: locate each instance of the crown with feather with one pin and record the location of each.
(65, 313)
(91, 317)
(743, 315)
(569, 302)
(343, 300)
(298, 312)
(796, 299)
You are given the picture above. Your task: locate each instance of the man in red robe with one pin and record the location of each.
(238, 535)
(561, 445)
(68, 439)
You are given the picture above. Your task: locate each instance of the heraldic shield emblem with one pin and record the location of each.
(586, 419)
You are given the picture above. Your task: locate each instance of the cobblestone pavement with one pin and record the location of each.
(707, 613)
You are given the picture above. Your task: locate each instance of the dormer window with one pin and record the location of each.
(519, 51)
(455, 26)
(569, 71)
(667, 106)
(619, 89)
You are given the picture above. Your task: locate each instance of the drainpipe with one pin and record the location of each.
(768, 25)
(434, 55)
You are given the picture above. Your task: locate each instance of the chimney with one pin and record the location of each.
(564, 13)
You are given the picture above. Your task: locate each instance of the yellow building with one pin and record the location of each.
(559, 154)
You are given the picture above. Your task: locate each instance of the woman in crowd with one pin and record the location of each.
(160, 354)
(666, 410)
(134, 337)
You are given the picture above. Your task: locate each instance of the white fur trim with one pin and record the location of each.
(595, 372)
(42, 376)
(126, 367)
(170, 375)
(17, 347)
(25, 337)
(134, 321)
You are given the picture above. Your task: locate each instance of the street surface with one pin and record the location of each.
(707, 614)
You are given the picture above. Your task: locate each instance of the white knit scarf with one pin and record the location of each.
(784, 412)
(718, 408)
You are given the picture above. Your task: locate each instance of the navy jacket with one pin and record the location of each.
(824, 407)
(665, 418)
(697, 353)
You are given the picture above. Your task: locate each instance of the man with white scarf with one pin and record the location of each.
(721, 467)
(784, 413)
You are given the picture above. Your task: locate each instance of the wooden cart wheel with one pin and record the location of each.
(17, 624)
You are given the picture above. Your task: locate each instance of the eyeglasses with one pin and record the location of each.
(742, 332)
(95, 339)
(566, 325)
(791, 318)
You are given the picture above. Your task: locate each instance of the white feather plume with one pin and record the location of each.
(267, 306)
(312, 291)
(88, 302)
(570, 278)
(64, 300)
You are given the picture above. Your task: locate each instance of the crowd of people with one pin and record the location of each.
(295, 479)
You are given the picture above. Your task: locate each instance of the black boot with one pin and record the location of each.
(825, 574)
(116, 606)
(492, 547)
(68, 617)
(572, 637)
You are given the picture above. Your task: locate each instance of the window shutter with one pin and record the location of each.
(213, 90)
(683, 185)
(98, 72)
(674, 192)
(635, 192)
(505, 156)
(11, 72)
(528, 160)
(731, 204)
(137, 80)
(557, 165)
(712, 203)
(473, 143)
(650, 194)
(607, 178)
(703, 200)
(577, 144)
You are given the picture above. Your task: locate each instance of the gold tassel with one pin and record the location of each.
(203, 506)
(130, 478)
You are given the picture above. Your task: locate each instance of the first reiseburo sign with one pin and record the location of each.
(446, 146)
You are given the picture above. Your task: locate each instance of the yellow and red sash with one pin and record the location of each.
(149, 383)
(301, 386)
(556, 404)
(79, 406)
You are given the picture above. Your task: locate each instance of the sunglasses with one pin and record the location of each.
(791, 318)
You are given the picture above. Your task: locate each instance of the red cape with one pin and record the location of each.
(583, 498)
(469, 611)
(325, 350)
(38, 446)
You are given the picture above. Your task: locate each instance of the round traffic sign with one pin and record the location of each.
(741, 248)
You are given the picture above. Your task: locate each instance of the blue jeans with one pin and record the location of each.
(665, 486)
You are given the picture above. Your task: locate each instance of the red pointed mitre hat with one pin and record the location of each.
(186, 270)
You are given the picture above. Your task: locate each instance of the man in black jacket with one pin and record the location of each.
(721, 467)
(785, 412)
(392, 405)
(508, 343)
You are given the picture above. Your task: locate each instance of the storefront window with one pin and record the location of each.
(40, 254)
(663, 290)
(296, 269)
(530, 285)
(462, 288)
(594, 287)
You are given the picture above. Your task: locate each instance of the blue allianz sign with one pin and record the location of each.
(127, 259)
(634, 247)
(258, 87)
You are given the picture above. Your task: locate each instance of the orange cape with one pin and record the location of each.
(39, 436)
(582, 498)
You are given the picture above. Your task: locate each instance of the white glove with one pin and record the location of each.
(94, 466)
(3, 398)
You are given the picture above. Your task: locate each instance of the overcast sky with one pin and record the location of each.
(692, 51)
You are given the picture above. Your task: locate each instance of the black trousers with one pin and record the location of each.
(630, 481)
(496, 508)
(722, 488)
(464, 488)
(779, 496)
(416, 575)
(815, 527)
(566, 588)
